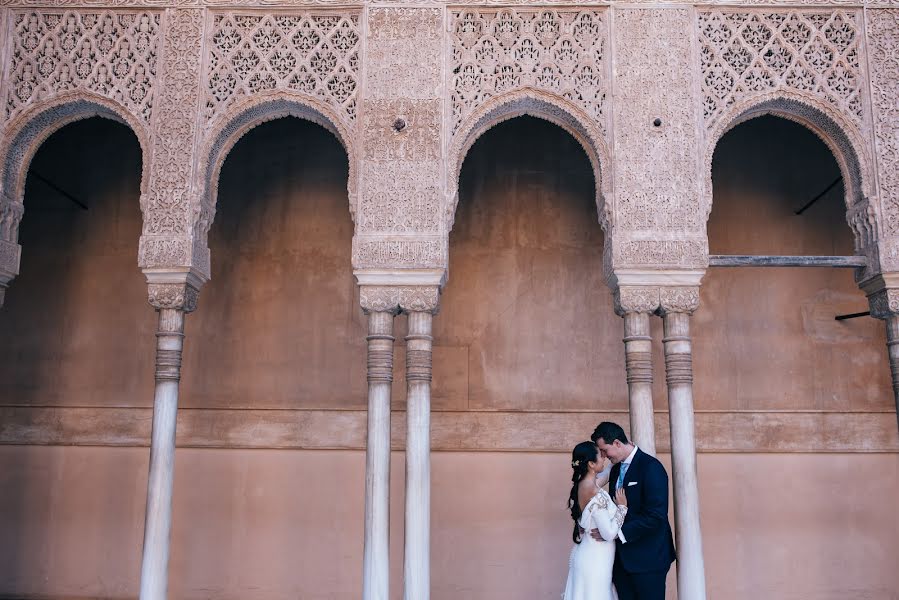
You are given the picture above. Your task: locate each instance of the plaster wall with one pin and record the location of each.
(272, 524)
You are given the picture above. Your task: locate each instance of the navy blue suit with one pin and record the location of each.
(642, 563)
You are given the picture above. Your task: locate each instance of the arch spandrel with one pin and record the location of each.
(541, 105)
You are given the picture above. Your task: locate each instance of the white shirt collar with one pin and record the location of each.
(630, 458)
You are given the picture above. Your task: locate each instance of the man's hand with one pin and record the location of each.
(594, 533)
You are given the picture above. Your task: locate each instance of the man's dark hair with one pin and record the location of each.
(609, 432)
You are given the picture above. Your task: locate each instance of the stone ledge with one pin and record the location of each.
(506, 431)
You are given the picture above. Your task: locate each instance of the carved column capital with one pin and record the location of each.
(174, 290)
(177, 296)
(678, 300)
(636, 299)
(420, 298)
(396, 299)
(884, 303)
(379, 298)
(882, 291)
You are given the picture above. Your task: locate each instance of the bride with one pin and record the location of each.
(590, 565)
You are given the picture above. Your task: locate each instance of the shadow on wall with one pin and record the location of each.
(279, 324)
(526, 320)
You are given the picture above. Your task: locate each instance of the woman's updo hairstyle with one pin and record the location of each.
(583, 453)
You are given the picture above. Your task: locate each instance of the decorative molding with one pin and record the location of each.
(472, 431)
(375, 252)
(660, 253)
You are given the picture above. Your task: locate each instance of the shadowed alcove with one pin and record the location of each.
(766, 338)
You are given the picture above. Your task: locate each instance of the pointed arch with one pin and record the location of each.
(541, 105)
(837, 132)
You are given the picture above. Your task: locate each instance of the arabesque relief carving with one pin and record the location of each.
(561, 51)
(110, 53)
(812, 52)
(411, 86)
(312, 53)
(883, 41)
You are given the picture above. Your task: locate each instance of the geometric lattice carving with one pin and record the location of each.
(110, 53)
(883, 48)
(312, 53)
(561, 51)
(812, 52)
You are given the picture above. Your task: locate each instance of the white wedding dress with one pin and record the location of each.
(590, 565)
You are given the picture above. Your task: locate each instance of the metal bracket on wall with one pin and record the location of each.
(57, 189)
(821, 195)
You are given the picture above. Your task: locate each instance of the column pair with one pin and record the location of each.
(381, 304)
(675, 305)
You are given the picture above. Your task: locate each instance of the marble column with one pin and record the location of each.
(376, 557)
(635, 305)
(420, 306)
(884, 303)
(676, 306)
(172, 301)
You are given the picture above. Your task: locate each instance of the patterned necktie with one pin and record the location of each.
(621, 475)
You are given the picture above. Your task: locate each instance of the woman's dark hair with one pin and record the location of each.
(582, 454)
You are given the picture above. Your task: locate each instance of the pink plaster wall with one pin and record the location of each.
(274, 525)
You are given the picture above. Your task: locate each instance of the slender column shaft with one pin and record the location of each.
(416, 567)
(154, 568)
(638, 362)
(892, 323)
(376, 559)
(679, 371)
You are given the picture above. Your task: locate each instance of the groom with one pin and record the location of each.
(645, 549)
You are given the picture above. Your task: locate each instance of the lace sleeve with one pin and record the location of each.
(604, 515)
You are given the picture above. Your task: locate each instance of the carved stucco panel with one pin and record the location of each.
(559, 51)
(657, 193)
(813, 53)
(401, 189)
(169, 204)
(311, 53)
(375, 252)
(359, 3)
(883, 48)
(404, 42)
(112, 54)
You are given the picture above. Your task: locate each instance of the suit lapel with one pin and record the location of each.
(632, 469)
(613, 479)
